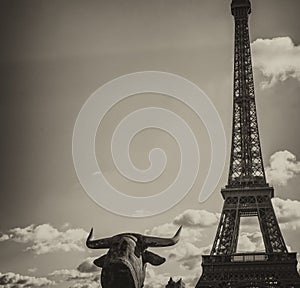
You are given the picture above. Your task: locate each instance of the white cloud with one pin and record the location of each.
(250, 242)
(283, 167)
(287, 212)
(44, 238)
(154, 280)
(76, 278)
(85, 285)
(190, 281)
(277, 58)
(188, 255)
(71, 274)
(87, 266)
(196, 218)
(13, 280)
(194, 223)
(4, 237)
(169, 229)
(85, 274)
(32, 270)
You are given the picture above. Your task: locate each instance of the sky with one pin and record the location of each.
(55, 54)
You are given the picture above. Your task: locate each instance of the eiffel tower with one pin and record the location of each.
(247, 193)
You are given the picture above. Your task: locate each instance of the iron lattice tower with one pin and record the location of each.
(247, 193)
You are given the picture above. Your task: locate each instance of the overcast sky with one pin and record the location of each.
(55, 54)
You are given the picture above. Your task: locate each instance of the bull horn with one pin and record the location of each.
(103, 243)
(151, 241)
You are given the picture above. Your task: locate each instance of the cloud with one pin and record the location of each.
(190, 281)
(187, 252)
(13, 280)
(42, 239)
(154, 280)
(169, 229)
(196, 218)
(32, 270)
(77, 277)
(87, 275)
(283, 167)
(194, 222)
(85, 285)
(188, 255)
(277, 59)
(250, 242)
(4, 237)
(196, 225)
(87, 266)
(71, 274)
(288, 213)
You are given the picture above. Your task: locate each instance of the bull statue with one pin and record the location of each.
(124, 265)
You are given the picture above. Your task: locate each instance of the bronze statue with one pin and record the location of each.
(173, 284)
(124, 265)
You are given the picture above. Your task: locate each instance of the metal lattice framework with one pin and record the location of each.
(246, 164)
(239, 203)
(247, 193)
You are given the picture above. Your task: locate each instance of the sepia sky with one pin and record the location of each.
(55, 54)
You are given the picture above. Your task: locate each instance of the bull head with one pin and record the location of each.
(125, 263)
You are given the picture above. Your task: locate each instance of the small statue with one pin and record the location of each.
(173, 284)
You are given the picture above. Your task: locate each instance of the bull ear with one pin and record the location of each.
(153, 258)
(100, 261)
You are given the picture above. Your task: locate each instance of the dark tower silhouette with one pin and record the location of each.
(247, 193)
